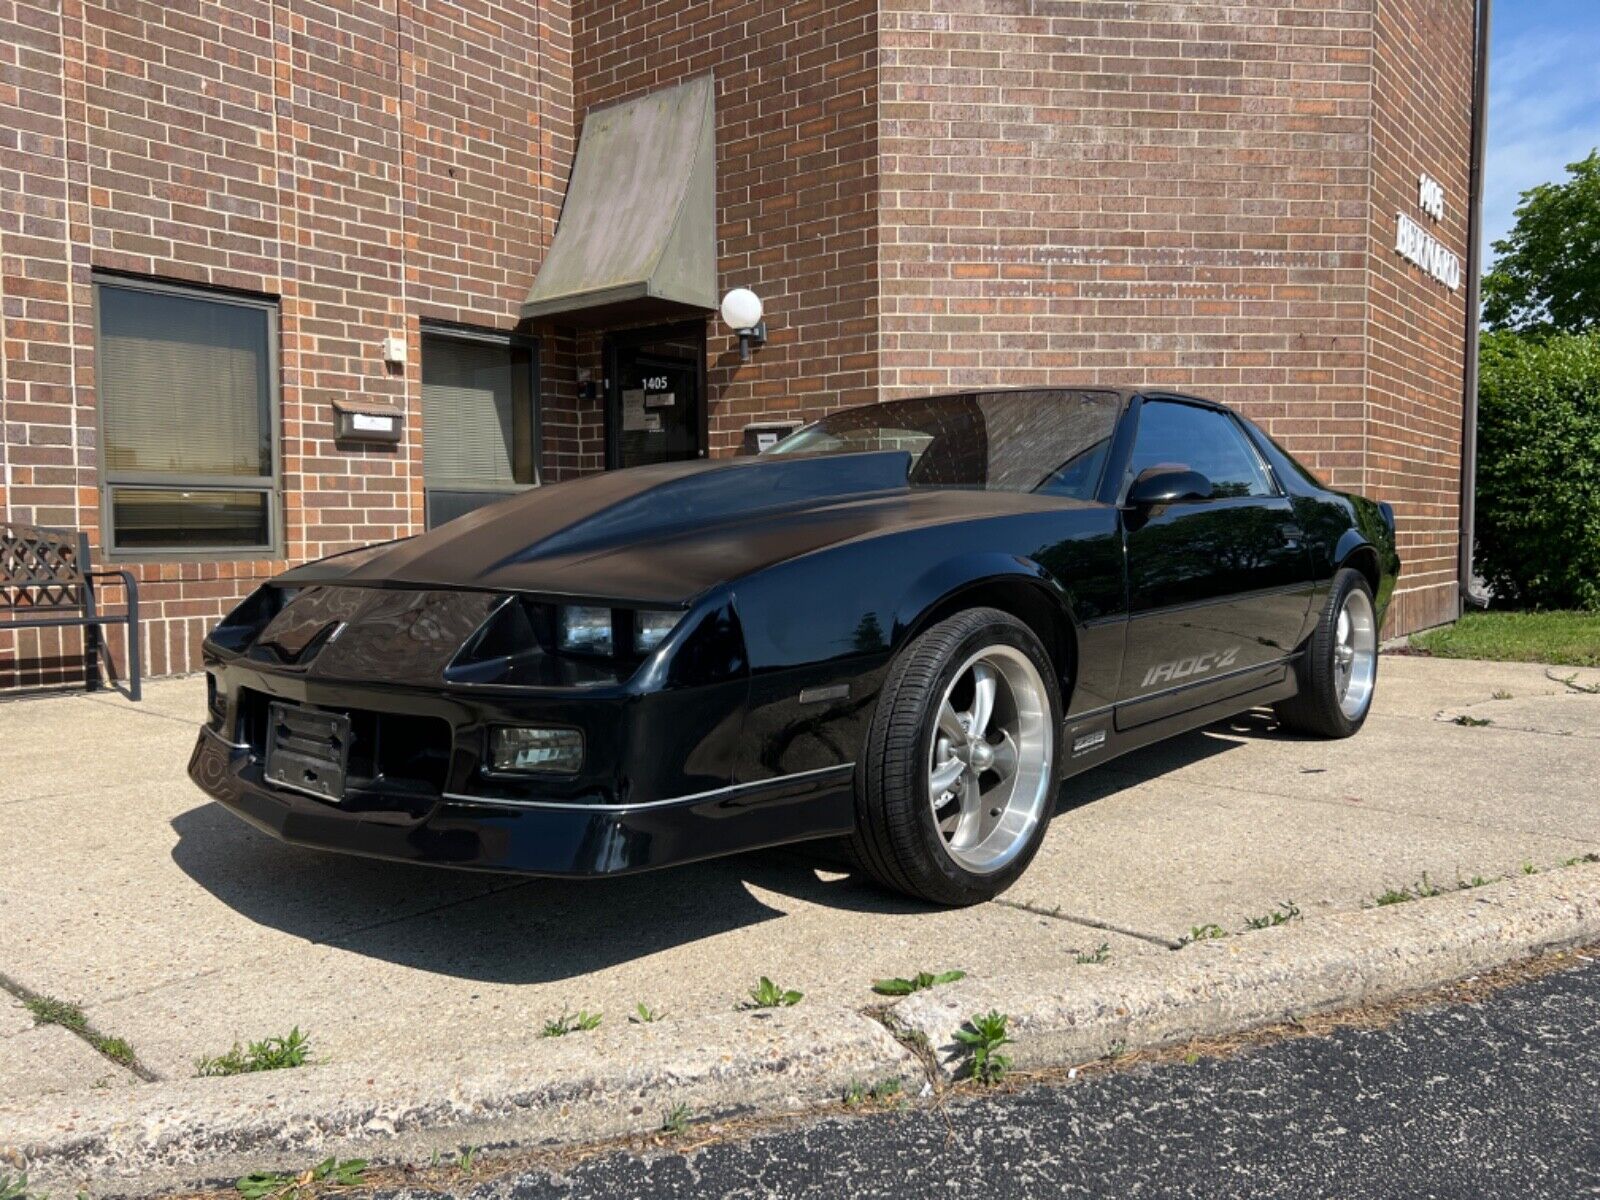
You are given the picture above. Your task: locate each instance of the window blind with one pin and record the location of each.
(467, 424)
(183, 385)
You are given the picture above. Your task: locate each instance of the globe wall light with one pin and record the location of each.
(741, 309)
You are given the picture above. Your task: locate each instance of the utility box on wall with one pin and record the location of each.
(354, 422)
(763, 435)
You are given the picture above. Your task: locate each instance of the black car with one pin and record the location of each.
(900, 628)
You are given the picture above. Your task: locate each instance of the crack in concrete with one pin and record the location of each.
(86, 1033)
(1154, 939)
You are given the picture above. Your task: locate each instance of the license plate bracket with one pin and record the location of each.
(308, 750)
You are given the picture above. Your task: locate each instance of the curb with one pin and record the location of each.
(581, 1088)
(619, 1081)
(1234, 984)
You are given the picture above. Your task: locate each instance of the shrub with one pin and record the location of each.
(1538, 520)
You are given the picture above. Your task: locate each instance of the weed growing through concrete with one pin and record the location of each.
(767, 994)
(1465, 885)
(15, 1188)
(1571, 681)
(466, 1159)
(983, 1037)
(676, 1119)
(1286, 911)
(643, 1014)
(1100, 954)
(860, 1092)
(1393, 896)
(1529, 869)
(1500, 694)
(47, 1010)
(329, 1173)
(918, 982)
(1202, 933)
(1582, 858)
(1473, 722)
(269, 1054)
(582, 1020)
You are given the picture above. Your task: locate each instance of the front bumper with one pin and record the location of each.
(569, 838)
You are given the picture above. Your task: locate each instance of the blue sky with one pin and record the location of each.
(1544, 100)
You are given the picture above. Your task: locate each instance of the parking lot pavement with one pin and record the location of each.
(181, 929)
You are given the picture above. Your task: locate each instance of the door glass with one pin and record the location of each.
(657, 406)
(1203, 440)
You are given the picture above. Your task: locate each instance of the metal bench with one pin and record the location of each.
(47, 581)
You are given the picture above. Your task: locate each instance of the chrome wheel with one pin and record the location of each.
(989, 765)
(1355, 654)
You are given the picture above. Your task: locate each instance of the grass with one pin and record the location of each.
(1287, 911)
(269, 1054)
(47, 1010)
(676, 1119)
(918, 982)
(767, 994)
(860, 1092)
(1203, 933)
(1101, 954)
(329, 1173)
(583, 1020)
(1570, 639)
(983, 1036)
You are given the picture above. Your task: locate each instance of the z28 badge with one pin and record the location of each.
(1195, 664)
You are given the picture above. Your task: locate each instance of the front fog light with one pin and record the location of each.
(532, 748)
(586, 630)
(650, 629)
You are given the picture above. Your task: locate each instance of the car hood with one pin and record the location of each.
(664, 534)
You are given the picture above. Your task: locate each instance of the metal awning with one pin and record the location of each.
(637, 234)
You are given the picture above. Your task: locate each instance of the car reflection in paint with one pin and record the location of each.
(901, 628)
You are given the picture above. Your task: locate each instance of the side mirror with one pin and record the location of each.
(1168, 483)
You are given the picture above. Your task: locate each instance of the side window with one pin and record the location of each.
(1203, 440)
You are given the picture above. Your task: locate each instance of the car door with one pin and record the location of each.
(1218, 588)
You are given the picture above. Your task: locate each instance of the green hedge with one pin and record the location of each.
(1538, 520)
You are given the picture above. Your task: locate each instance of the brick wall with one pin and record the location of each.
(1416, 327)
(371, 163)
(796, 168)
(1195, 196)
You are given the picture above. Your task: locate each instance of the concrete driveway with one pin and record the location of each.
(179, 928)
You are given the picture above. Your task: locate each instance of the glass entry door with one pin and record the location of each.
(655, 395)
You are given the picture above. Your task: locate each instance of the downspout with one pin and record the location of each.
(1469, 392)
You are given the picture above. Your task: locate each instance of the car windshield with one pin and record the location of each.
(1052, 441)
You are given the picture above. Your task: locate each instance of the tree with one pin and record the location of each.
(1547, 276)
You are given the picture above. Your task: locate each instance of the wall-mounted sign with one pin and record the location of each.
(1415, 244)
(361, 422)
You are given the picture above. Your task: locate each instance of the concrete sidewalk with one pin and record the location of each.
(177, 927)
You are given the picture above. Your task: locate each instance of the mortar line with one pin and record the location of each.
(86, 1035)
(1090, 922)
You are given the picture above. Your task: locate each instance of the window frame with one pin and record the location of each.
(1235, 422)
(270, 484)
(507, 339)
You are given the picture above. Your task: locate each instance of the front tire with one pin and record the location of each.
(1339, 670)
(961, 768)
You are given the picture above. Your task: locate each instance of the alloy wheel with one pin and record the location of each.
(1355, 654)
(989, 767)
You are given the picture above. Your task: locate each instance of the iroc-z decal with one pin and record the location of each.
(1195, 664)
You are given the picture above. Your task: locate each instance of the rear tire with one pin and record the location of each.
(961, 769)
(1339, 671)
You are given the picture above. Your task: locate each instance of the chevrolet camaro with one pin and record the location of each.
(899, 629)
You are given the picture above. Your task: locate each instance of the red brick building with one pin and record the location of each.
(242, 244)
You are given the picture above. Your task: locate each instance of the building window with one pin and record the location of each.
(480, 419)
(187, 385)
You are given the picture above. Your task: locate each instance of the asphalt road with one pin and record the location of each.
(1499, 1098)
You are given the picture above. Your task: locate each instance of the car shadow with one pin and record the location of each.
(501, 928)
(509, 929)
